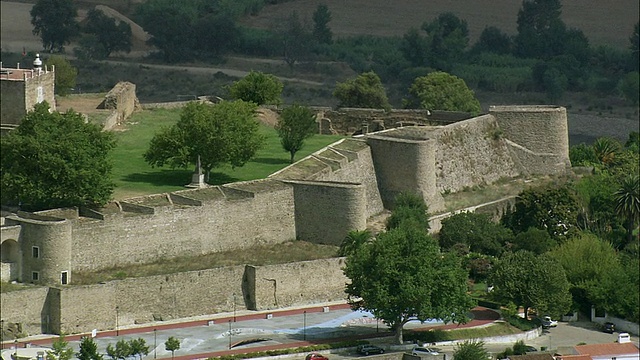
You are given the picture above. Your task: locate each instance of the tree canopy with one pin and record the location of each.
(401, 275)
(476, 231)
(66, 74)
(110, 36)
(88, 349)
(470, 350)
(258, 88)
(447, 39)
(441, 91)
(296, 123)
(55, 22)
(225, 133)
(321, 31)
(365, 91)
(55, 160)
(532, 281)
(60, 350)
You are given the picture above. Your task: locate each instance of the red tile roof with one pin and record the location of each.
(608, 349)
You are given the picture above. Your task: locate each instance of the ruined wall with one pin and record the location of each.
(404, 160)
(325, 212)
(538, 136)
(236, 216)
(301, 283)
(122, 100)
(472, 152)
(24, 307)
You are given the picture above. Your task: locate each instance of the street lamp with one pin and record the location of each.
(15, 342)
(1, 334)
(117, 316)
(304, 325)
(229, 334)
(234, 307)
(155, 342)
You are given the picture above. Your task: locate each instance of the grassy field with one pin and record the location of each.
(134, 177)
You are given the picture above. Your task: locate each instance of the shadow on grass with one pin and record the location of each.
(271, 161)
(175, 178)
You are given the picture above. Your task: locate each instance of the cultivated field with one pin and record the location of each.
(603, 22)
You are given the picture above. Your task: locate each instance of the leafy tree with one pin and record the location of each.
(607, 150)
(364, 91)
(540, 29)
(414, 47)
(476, 231)
(401, 275)
(493, 40)
(353, 241)
(629, 87)
(224, 133)
(66, 74)
(582, 155)
(634, 39)
(216, 34)
(139, 347)
(555, 84)
(409, 209)
(110, 36)
(296, 123)
(550, 207)
(258, 88)
(532, 281)
(321, 31)
(121, 351)
(295, 37)
(627, 200)
(447, 38)
(172, 344)
(470, 350)
(88, 349)
(442, 91)
(535, 240)
(55, 22)
(60, 350)
(55, 160)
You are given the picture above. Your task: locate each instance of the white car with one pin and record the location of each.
(547, 322)
(424, 351)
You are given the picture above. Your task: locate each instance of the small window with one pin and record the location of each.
(64, 278)
(35, 276)
(35, 251)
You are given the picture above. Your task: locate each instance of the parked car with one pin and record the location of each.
(547, 322)
(424, 351)
(369, 349)
(530, 348)
(316, 356)
(609, 327)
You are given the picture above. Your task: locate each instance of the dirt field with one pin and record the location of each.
(603, 22)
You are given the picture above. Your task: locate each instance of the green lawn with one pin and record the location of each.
(134, 177)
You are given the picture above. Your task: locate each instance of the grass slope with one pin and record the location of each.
(134, 177)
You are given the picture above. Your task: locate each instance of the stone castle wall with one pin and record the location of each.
(79, 309)
(122, 100)
(21, 90)
(12, 102)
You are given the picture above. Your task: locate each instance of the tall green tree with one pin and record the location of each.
(493, 40)
(634, 46)
(409, 209)
(364, 91)
(55, 160)
(447, 38)
(88, 349)
(172, 344)
(66, 74)
(111, 36)
(353, 241)
(475, 231)
(627, 200)
(321, 31)
(470, 350)
(60, 350)
(442, 91)
(55, 22)
(139, 347)
(225, 133)
(540, 29)
(532, 281)
(121, 351)
(296, 124)
(401, 275)
(629, 87)
(295, 38)
(258, 88)
(414, 47)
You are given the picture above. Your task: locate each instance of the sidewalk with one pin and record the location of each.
(217, 335)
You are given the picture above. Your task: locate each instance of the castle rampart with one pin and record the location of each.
(21, 90)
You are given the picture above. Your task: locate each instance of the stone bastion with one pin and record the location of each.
(319, 199)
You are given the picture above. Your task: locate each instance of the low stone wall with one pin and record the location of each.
(123, 100)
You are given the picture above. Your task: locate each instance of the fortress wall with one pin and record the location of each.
(218, 225)
(538, 130)
(24, 307)
(359, 170)
(12, 102)
(415, 173)
(40, 88)
(301, 283)
(121, 98)
(88, 307)
(325, 212)
(53, 241)
(471, 153)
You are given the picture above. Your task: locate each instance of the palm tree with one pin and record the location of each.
(606, 149)
(627, 200)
